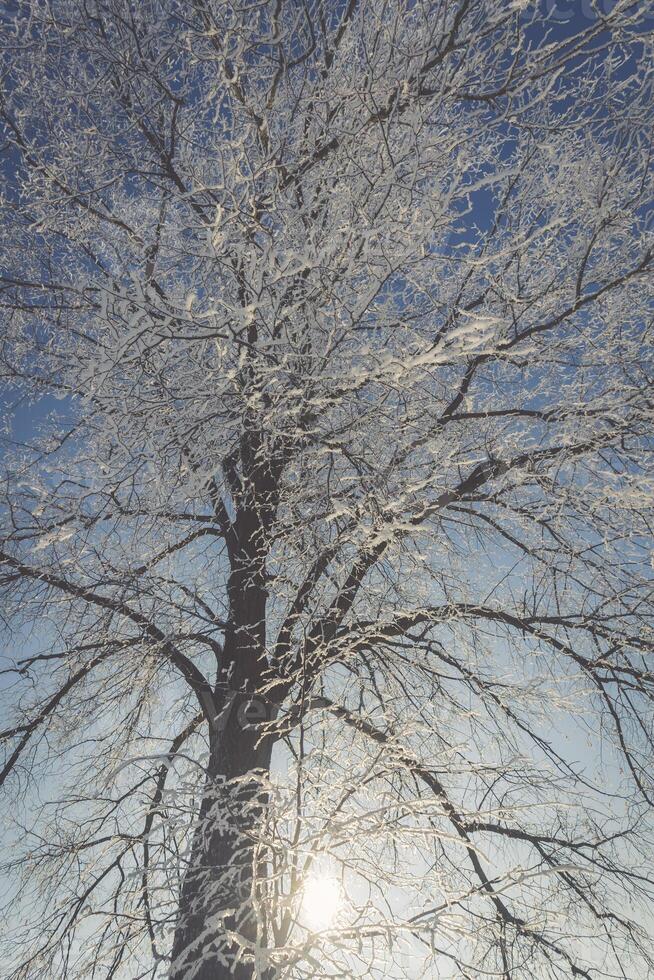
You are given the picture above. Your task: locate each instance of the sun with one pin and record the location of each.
(322, 900)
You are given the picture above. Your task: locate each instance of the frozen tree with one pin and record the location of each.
(326, 545)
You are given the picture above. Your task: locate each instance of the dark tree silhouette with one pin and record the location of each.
(325, 547)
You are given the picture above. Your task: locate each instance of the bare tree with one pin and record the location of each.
(325, 563)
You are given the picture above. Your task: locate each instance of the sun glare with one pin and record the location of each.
(322, 899)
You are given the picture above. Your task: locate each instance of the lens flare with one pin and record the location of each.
(322, 899)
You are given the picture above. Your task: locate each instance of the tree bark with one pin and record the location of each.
(217, 897)
(217, 893)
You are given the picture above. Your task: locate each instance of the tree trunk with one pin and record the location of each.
(217, 892)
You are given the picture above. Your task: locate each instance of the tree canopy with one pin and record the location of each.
(326, 495)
